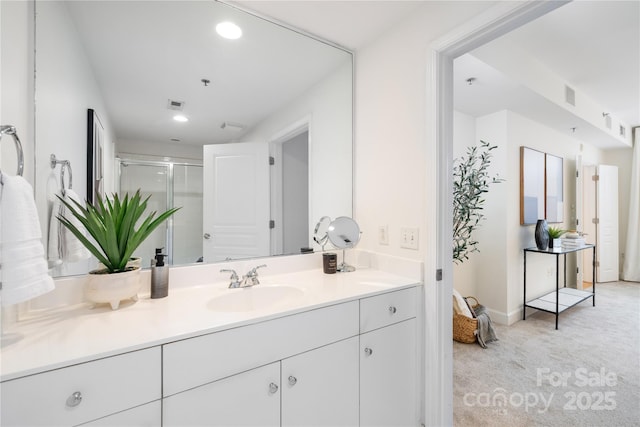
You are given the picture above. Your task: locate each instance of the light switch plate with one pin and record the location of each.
(409, 238)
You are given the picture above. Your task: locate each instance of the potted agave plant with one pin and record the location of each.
(112, 226)
(554, 236)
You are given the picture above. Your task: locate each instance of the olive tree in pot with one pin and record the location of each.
(112, 226)
(471, 180)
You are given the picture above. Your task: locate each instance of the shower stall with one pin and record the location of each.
(170, 184)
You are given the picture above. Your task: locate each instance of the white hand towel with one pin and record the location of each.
(63, 244)
(23, 269)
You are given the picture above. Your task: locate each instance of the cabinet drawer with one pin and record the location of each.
(105, 386)
(196, 361)
(386, 309)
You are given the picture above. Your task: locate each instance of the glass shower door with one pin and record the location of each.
(152, 180)
(187, 222)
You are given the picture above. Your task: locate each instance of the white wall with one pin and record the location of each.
(16, 83)
(328, 105)
(496, 275)
(65, 89)
(393, 154)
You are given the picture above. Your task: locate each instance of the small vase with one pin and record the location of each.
(542, 234)
(112, 288)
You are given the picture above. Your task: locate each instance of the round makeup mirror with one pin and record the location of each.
(320, 233)
(344, 233)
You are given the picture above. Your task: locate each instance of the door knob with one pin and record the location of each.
(368, 351)
(292, 380)
(273, 388)
(207, 236)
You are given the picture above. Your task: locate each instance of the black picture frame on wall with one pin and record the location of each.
(95, 156)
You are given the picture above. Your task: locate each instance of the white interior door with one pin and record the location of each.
(589, 215)
(235, 201)
(579, 217)
(607, 224)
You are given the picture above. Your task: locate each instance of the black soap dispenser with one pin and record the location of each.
(159, 276)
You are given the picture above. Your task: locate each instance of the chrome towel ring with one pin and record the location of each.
(11, 130)
(66, 165)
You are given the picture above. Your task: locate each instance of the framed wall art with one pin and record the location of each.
(553, 188)
(95, 156)
(532, 178)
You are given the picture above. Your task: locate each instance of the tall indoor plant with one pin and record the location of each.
(112, 227)
(471, 181)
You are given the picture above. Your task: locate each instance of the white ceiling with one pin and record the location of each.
(595, 45)
(145, 53)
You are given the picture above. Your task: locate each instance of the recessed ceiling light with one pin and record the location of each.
(180, 118)
(229, 30)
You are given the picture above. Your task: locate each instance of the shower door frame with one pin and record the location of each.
(169, 191)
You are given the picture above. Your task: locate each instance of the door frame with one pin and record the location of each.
(275, 149)
(437, 402)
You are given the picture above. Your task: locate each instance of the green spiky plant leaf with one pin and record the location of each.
(112, 225)
(471, 181)
(555, 232)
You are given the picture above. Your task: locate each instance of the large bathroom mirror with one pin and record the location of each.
(191, 118)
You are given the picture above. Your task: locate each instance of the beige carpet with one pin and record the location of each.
(587, 373)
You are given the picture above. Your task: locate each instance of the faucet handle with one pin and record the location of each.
(253, 272)
(235, 281)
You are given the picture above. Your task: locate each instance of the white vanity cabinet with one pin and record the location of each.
(302, 367)
(250, 398)
(320, 387)
(388, 359)
(85, 392)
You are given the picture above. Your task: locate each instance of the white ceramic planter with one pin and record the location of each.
(112, 288)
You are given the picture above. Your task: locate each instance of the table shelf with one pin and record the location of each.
(560, 299)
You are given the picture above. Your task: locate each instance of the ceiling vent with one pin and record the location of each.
(232, 126)
(175, 105)
(570, 95)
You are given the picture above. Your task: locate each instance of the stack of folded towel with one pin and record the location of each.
(63, 244)
(23, 269)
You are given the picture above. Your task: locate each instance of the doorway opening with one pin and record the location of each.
(438, 290)
(290, 204)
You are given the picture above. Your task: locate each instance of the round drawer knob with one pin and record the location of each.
(292, 380)
(207, 236)
(392, 309)
(368, 351)
(273, 388)
(74, 399)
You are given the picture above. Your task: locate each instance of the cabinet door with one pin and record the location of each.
(251, 398)
(148, 415)
(320, 387)
(388, 376)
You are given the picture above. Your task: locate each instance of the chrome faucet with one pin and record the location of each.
(251, 278)
(234, 281)
(248, 280)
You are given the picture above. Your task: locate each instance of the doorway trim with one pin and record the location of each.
(276, 176)
(437, 341)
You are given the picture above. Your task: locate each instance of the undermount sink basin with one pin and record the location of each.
(257, 297)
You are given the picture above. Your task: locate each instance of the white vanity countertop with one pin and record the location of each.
(59, 337)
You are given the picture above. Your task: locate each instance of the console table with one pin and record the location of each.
(557, 301)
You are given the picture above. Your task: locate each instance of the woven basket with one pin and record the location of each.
(464, 328)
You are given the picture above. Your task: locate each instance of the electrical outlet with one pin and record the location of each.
(409, 238)
(383, 235)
